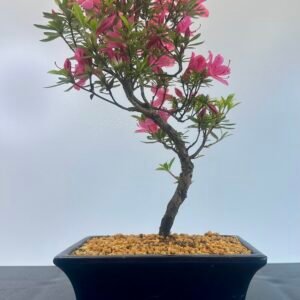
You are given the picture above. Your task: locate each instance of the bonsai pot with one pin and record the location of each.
(160, 277)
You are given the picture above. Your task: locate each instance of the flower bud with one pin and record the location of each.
(213, 108)
(68, 65)
(202, 113)
(179, 93)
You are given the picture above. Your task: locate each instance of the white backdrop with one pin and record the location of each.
(70, 167)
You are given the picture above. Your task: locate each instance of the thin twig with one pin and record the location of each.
(105, 99)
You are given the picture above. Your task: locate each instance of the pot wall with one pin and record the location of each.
(206, 277)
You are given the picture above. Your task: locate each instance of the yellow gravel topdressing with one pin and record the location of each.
(153, 244)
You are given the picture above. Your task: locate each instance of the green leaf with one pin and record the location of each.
(149, 142)
(78, 13)
(93, 24)
(59, 72)
(160, 169)
(195, 37)
(166, 166)
(55, 85)
(50, 37)
(46, 27)
(70, 88)
(49, 15)
(125, 21)
(60, 4)
(136, 117)
(214, 135)
(171, 163)
(51, 34)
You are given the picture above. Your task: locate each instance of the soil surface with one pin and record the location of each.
(153, 244)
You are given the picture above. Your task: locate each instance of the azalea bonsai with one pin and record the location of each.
(145, 48)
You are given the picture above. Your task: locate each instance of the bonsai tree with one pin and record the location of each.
(144, 48)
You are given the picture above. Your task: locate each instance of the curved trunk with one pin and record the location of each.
(184, 182)
(187, 167)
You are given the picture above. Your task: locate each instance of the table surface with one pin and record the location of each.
(273, 282)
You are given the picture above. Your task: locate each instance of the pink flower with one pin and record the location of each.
(80, 55)
(81, 68)
(158, 63)
(161, 94)
(82, 61)
(80, 83)
(188, 32)
(184, 25)
(88, 4)
(68, 65)
(164, 115)
(155, 42)
(114, 40)
(81, 75)
(115, 47)
(165, 61)
(148, 126)
(216, 69)
(161, 9)
(197, 63)
(202, 10)
(159, 102)
(106, 24)
(168, 45)
(116, 52)
(159, 18)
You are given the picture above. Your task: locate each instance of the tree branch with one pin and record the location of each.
(105, 99)
(204, 140)
(196, 141)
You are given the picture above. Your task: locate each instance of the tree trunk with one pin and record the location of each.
(187, 167)
(184, 182)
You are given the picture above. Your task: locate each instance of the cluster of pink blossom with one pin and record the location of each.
(148, 126)
(161, 95)
(89, 4)
(210, 67)
(80, 70)
(159, 51)
(184, 27)
(115, 49)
